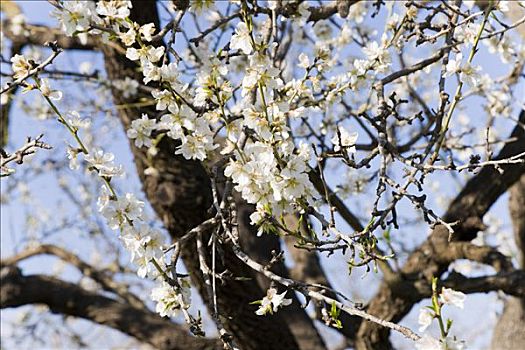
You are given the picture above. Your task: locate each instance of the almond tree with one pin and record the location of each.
(271, 139)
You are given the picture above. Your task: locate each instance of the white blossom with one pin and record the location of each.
(146, 31)
(427, 342)
(74, 120)
(425, 318)
(46, 91)
(454, 65)
(379, 55)
(121, 211)
(114, 8)
(72, 155)
(452, 297)
(141, 130)
(103, 163)
(128, 87)
(241, 40)
(304, 61)
(75, 16)
(168, 300)
(272, 301)
(20, 66)
(128, 37)
(344, 139)
(164, 99)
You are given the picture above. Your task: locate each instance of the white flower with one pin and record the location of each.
(272, 301)
(146, 54)
(168, 300)
(146, 31)
(16, 24)
(241, 39)
(114, 8)
(145, 244)
(21, 66)
(304, 61)
(128, 38)
(196, 146)
(169, 72)
(75, 121)
(425, 318)
(454, 344)
(72, 156)
(454, 65)
(470, 74)
(467, 33)
(428, 343)
(452, 297)
(46, 91)
(141, 130)
(379, 55)
(103, 162)
(128, 87)
(164, 99)
(155, 53)
(151, 73)
(75, 15)
(344, 139)
(123, 209)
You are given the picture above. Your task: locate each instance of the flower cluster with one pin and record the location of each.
(243, 95)
(126, 213)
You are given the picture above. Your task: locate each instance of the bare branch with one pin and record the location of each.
(18, 156)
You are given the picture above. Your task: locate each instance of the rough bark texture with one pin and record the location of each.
(509, 333)
(181, 197)
(69, 299)
(396, 298)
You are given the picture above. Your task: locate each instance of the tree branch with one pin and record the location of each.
(40, 34)
(394, 300)
(69, 299)
(512, 283)
(87, 270)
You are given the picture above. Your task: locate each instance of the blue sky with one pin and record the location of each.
(45, 192)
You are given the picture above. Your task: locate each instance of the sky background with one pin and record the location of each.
(44, 199)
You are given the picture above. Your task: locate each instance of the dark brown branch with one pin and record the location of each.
(69, 299)
(512, 283)
(508, 333)
(396, 298)
(102, 277)
(482, 254)
(182, 202)
(40, 34)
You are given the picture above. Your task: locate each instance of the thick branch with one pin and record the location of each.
(512, 283)
(180, 193)
(87, 270)
(508, 333)
(40, 34)
(69, 299)
(482, 254)
(395, 300)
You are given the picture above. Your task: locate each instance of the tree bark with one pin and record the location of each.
(509, 333)
(395, 298)
(69, 299)
(181, 196)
